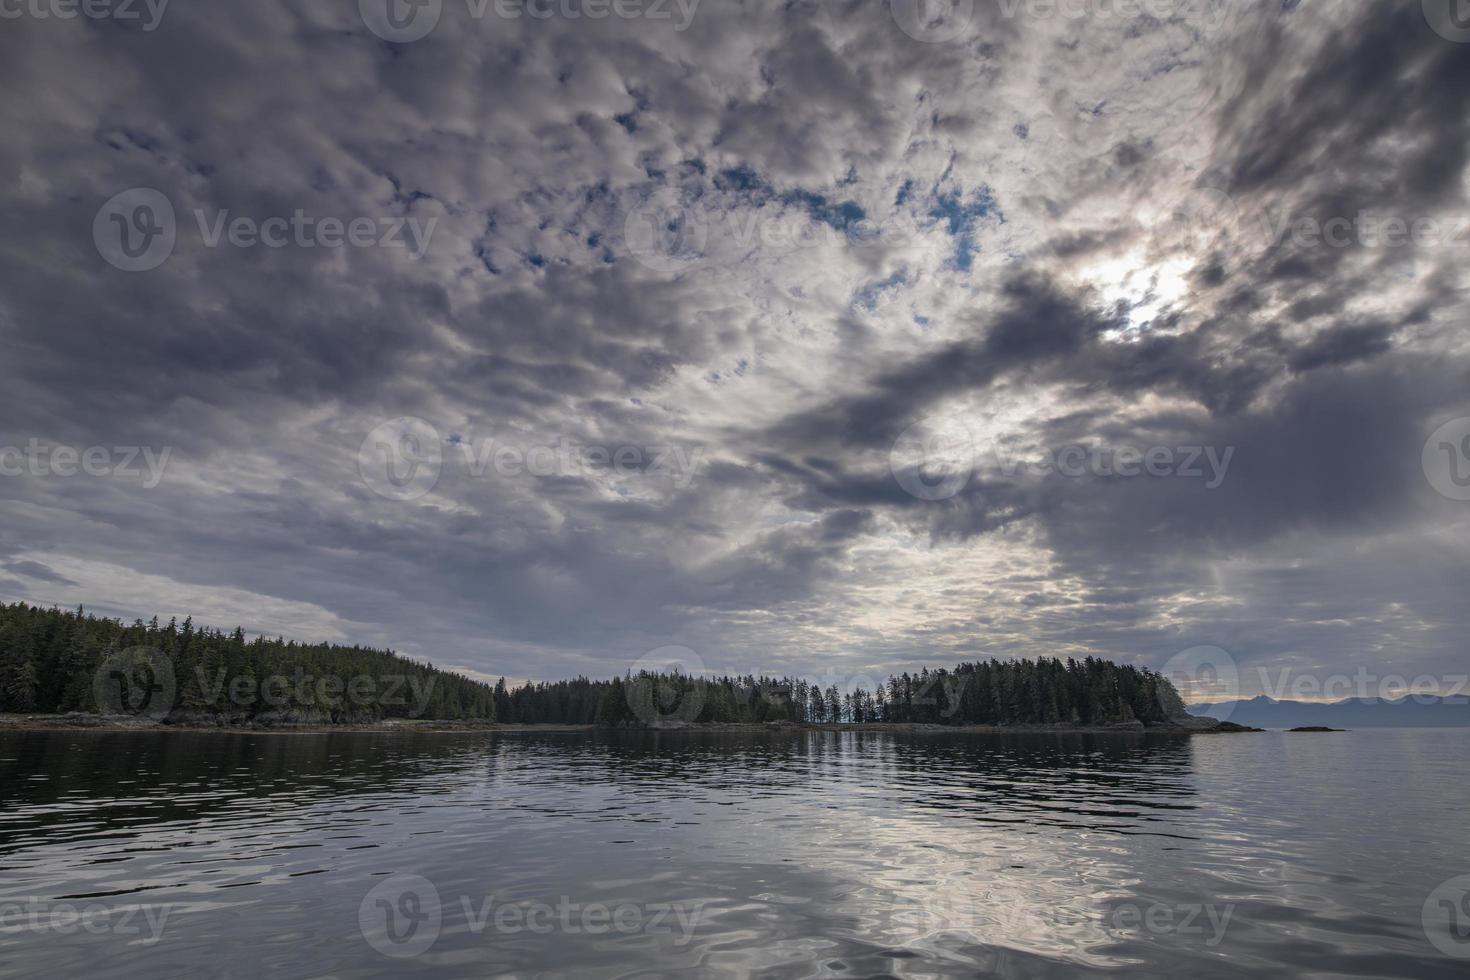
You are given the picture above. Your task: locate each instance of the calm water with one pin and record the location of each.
(721, 855)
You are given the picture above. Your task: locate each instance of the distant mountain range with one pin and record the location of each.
(1415, 711)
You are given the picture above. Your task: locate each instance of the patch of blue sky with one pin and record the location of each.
(868, 296)
(962, 215)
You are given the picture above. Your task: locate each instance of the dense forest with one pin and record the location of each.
(56, 661)
(1015, 692)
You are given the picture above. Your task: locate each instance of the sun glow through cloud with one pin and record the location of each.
(1144, 291)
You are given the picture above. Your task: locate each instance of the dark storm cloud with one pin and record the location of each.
(1342, 345)
(1038, 327)
(1380, 72)
(36, 570)
(1019, 227)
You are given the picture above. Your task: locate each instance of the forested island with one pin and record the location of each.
(73, 664)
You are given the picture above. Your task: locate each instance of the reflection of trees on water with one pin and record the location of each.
(1098, 781)
(107, 783)
(111, 781)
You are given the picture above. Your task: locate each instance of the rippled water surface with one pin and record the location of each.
(783, 854)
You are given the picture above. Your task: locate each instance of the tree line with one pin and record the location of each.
(1046, 691)
(55, 661)
(59, 662)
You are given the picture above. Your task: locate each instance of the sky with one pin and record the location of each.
(542, 337)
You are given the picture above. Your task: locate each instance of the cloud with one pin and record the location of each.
(768, 244)
(36, 571)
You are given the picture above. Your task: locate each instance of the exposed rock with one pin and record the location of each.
(1199, 724)
(1195, 724)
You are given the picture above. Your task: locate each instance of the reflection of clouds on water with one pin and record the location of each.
(939, 845)
(956, 889)
(912, 855)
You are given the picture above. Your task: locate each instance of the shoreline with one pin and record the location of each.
(109, 724)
